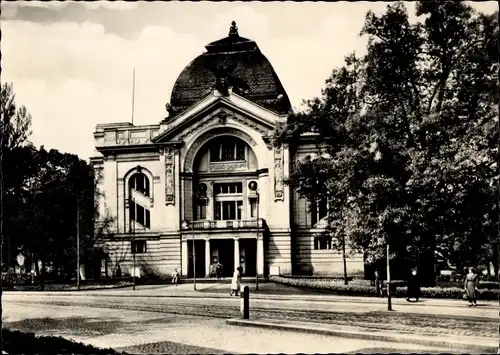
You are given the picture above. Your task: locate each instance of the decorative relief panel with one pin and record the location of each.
(278, 174)
(228, 166)
(169, 176)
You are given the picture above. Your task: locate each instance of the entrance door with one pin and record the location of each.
(225, 248)
(250, 248)
(200, 258)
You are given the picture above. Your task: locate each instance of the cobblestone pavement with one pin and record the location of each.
(158, 332)
(168, 347)
(229, 308)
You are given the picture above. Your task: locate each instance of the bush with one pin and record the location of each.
(488, 285)
(16, 342)
(396, 291)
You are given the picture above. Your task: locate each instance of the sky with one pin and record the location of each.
(71, 63)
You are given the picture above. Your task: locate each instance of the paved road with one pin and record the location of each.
(484, 322)
(172, 325)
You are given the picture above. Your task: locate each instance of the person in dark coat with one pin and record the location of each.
(413, 286)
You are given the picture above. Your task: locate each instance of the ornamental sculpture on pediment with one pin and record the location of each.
(169, 176)
(278, 174)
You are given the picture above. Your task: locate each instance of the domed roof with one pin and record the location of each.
(236, 62)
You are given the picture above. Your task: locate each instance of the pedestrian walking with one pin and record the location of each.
(175, 277)
(470, 287)
(236, 283)
(413, 286)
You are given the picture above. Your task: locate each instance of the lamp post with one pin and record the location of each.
(257, 246)
(77, 245)
(389, 303)
(194, 256)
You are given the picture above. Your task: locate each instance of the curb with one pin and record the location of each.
(451, 344)
(435, 315)
(270, 297)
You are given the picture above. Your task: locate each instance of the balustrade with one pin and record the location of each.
(231, 224)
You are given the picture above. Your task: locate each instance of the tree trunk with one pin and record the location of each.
(344, 260)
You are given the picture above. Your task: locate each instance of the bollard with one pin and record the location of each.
(244, 303)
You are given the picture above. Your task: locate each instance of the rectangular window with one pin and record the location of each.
(319, 210)
(228, 188)
(322, 242)
(201, 211)
(138, 246)
(228, 210)
(140, 214)
(253, 208)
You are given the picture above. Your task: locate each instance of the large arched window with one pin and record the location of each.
(139, 193)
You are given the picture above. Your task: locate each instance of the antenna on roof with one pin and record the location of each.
(133, 96)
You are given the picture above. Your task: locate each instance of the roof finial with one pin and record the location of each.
(233, 30)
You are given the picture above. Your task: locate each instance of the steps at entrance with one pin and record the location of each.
(185, 280)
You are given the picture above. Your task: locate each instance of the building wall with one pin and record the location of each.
(308, 260)
(162, 257)
(323, 262)
(289, 242)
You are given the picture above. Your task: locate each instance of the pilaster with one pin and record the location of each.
(207, 257)
(185, 258)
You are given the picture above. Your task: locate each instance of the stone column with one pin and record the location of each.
(236, 253)
(260, 255)
(185, 258)
(207, 257)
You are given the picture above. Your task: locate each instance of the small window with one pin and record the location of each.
(322, 242)
(139, 246)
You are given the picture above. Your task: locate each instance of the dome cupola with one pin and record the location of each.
(235, 63)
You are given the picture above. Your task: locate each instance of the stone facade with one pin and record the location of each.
(208, 176)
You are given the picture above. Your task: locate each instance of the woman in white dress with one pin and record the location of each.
(235, 283)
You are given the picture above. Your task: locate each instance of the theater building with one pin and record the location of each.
(207, 184)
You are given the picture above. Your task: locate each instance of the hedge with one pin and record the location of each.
(16, 342)
(396, 291)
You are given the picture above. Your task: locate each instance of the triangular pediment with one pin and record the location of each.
(218, 110)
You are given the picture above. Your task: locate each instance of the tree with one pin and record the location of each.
(15, 127)
(410, 134)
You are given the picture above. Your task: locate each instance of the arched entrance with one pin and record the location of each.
(224, 214)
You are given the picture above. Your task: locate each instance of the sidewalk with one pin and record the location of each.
(467, 344)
